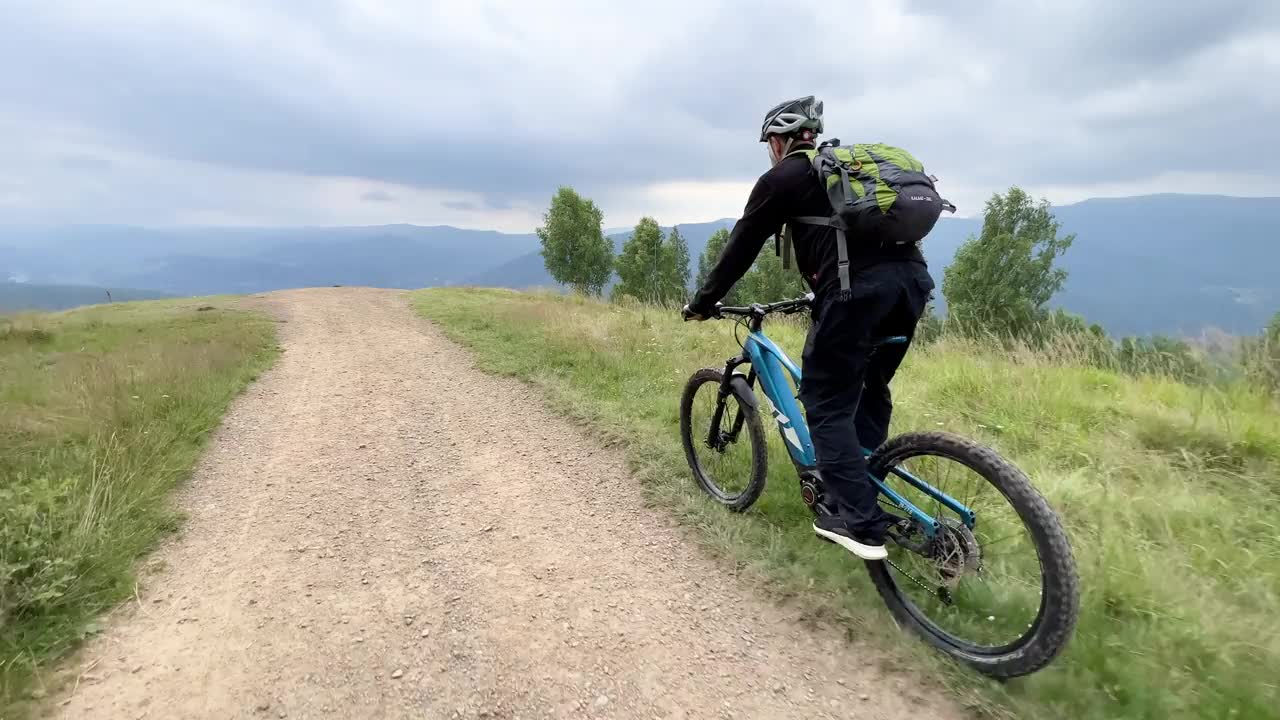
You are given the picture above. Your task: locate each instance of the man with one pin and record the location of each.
(845, 389)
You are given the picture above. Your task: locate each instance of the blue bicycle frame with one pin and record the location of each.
(768, 363)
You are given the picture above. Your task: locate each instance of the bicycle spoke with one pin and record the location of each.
(974, 589)
(989, 543)
(990, 606)
(726, 461)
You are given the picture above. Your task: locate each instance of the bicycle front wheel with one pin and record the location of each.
(998, 591)
(723, 440)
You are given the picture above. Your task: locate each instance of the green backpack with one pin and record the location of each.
(880, 195)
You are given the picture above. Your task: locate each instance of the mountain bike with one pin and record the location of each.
(979, 564)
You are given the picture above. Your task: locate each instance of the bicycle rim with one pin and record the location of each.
(723, 457)
(979, 589)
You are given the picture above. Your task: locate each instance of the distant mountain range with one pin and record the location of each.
(1172, 264)
(529, 271)
(18, 297)
(202, 261)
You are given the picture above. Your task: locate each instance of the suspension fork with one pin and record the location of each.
(715, 438)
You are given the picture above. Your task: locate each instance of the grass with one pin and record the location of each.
(102, 412)
(1170, 494)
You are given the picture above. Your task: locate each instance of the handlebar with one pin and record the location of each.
(758, 310)
(786, 307)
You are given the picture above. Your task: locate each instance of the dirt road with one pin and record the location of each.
(381, 530)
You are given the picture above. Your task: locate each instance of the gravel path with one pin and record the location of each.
(381, 530)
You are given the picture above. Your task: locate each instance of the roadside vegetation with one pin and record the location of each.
(1162, 455)
(1168, 491)
(103, 411)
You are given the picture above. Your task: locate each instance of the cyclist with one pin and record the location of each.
(845, 389)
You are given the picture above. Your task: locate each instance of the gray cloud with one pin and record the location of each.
(1099, 41)
(378, 196)
(1084, 91)
(505, 102)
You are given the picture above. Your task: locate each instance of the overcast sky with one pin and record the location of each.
(163, 112)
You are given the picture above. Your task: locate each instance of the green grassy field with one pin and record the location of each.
(1170, 494)
(102, 412)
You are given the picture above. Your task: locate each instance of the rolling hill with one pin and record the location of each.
(199, 261)
(528, 270)
(18, 297)
(1173, 264)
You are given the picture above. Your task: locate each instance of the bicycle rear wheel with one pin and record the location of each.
(723, 440)
(1000, 592)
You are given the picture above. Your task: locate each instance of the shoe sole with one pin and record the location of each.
(866, 552)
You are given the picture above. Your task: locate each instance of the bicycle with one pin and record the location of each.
(950, 575)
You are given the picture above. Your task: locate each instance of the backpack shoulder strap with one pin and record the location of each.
(842, 244)
(827, 163)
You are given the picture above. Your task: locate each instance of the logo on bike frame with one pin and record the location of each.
(784, 424)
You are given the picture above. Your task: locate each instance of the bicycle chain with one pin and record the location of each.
(910, 577)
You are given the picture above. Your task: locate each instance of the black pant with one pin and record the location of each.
(845, 388)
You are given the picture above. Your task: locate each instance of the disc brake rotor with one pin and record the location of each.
(956, 552)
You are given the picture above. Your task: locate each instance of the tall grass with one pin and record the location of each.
(1169, 492)
(102, 412)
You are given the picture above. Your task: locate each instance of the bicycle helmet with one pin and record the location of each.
(792, 116)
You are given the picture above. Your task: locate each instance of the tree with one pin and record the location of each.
(642, 266)
(653, 268)
(1160, 355)
(930, 327)
(1262, 357)
(1001, 280)
(1059, 323)
(707, 260)
(574, 248)
(675, 266)
(767, 281)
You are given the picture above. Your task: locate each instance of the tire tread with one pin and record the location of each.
(1062, 582)
(753, 427)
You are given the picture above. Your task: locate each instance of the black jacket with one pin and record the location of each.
(789, 189)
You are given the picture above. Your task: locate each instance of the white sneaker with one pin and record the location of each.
(832, 529)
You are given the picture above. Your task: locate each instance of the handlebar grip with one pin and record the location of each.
(688, 314)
